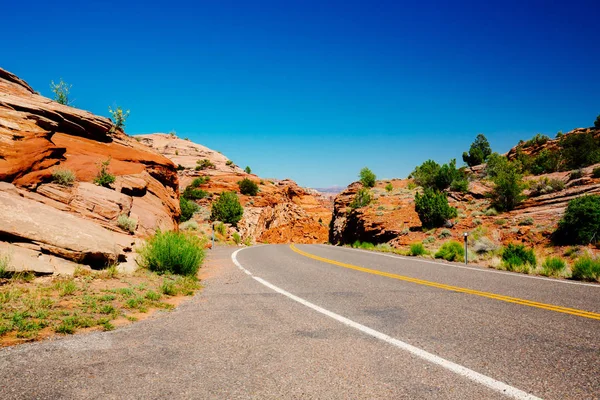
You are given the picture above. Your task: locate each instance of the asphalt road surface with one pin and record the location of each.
(322, 322)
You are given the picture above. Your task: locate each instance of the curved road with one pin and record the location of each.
(312, 321)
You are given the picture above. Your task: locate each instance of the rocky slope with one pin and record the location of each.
(391, 218)
(48, 227)
(281, 212)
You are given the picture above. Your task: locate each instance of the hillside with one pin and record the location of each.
(281, 212)
(391, 220)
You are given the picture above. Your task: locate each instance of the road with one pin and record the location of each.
(312, 321)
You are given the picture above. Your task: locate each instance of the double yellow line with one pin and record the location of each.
(508, 299)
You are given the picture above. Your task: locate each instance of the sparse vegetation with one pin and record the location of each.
(172, 252)
(544, 186)
(451, 251)
(367, 177)
(581, 222)
(63, 176)
(579, 150)
(189, 226)
(61, 92)
(527, 221)
(433, 209)
(4, 264)
(104, 178)
(119, 116)
(204, 164)
(221, 229)
(126, 223)
(576, 174)
(228, 162)
(227, 208)
(362, 198)
(479, 151)
(248, 187)
(363, 245)
(389, 188)
(538, 140)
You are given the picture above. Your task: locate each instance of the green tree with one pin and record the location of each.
(61, 92)
(188, 208)
(479, 151)
(118, 116)
(227, 208)
(597, 122)
(248, 187)
(579, 150)
(433, 209)
(581, 222)
(367, 177)
(361, 199)
(248, 170)
(508, 186)
(431, 175)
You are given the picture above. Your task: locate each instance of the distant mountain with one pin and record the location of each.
(330, 190)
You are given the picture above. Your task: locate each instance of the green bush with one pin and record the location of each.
(367, 177)
(61, 92)
(596, 172)
(515, 256)
(204, 164)
(545, 186)
(104, 178)
(508, 186)
(237, 239)
(545, 162)
(441, 177)
(172, 252)
(553, 266)
(248, 170)
(586, 269)
(581, 222)
(526, 221)
(444, 234)
(190, 193)
(201, 180)
(577, 174)
(119, 116)
(126, 223)
(451, 251)
(433, 209)
(189, 226)
(479, 151)
(389, 188)
(579, 150)
(248, 187)
(228, 162)
(227, 208)
(361, 199)
(188, 208)
(64, 177)
(417, 249)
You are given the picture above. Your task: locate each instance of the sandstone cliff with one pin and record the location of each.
(281, 212)
(49, 227)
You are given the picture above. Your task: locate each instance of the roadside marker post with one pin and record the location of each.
(213, 236)
(466, 234)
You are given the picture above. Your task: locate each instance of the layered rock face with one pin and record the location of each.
(391, 217)
(281, 212)
(43, 220)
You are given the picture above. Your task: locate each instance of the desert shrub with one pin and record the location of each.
(119, 116)
(479, 151)
(515, 256)
(228, 162)
(204, 164)
(586, 269)
(576, 174)
(508, 186)
(491, 212)
(544, 186)
(579, 150)
(433, 209)
(189, 226)
(546, 161)
(596, 172)
(180, 167)
(553, 266)
(537, 140)
(172, 252)
(460, 185)
(190, 193)
(417, 249)
(451, 251)
(126, 223)
(188, 208)
(444, 234)
(526, 221)
(389, 188)
(61, 92)
(201, 180)
(495, 164)
(104, 178)
(248, 187)
(227, 208)
(483, 245)
(429, 240)
(500, 221)
(361, 199)
(434, 176)
(581, 222)
(237, 239)
(63, 176)
(367, 177)
(221, 229)
(248, 170)
(363, 245)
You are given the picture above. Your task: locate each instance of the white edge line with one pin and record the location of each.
(513, 274)
(465, 372)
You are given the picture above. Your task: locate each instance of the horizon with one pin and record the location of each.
(314, 92)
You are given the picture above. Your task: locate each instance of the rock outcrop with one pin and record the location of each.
(75, 223)
(281, 212)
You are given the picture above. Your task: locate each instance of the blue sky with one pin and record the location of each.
(316, 90)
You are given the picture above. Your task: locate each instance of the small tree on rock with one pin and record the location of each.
(248, 187)
(367, 177)
(433, 209)
(227, 208)
(479, 151)
(61, 92)
(118, 116)
(508, 186)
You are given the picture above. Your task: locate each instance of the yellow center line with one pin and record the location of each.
(508, 299)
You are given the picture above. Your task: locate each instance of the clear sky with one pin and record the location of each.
(315, 90)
